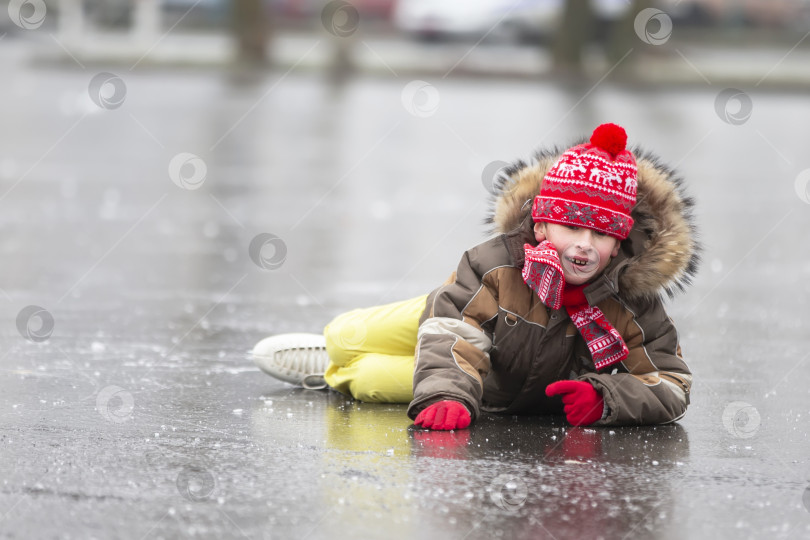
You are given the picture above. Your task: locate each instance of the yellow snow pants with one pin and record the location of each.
(371, 351)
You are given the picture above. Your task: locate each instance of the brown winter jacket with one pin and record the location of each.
(486, 340)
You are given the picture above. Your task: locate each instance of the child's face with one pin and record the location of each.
(584, 253)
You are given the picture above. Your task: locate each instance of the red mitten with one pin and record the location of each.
(583, 404)
(444, 415)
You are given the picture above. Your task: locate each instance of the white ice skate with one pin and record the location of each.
(298, 359)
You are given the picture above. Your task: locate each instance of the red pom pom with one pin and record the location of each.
(610, 137)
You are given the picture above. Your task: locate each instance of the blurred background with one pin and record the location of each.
(516, 37)
(181, 178)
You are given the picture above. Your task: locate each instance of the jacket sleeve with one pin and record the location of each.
(454, 339)
(652, 385)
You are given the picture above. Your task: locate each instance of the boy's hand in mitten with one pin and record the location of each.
(444, 415)
(583, 404)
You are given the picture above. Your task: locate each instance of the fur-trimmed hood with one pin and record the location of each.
(662, 252)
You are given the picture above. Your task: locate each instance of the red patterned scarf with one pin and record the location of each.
(543, 273)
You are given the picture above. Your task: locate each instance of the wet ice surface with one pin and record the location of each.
(141, 417)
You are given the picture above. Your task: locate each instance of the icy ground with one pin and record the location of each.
(129, 409)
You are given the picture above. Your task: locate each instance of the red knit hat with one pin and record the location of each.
(592, 185)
